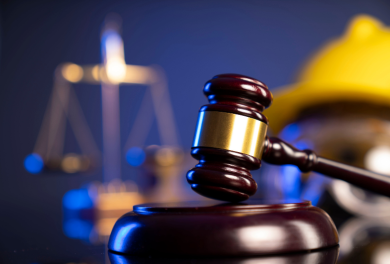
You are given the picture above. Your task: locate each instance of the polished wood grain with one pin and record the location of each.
(223, 174)
(212, 228)
(237, 94)
(279, 152)
(241, 229)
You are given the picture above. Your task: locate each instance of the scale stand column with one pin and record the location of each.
(111, 132)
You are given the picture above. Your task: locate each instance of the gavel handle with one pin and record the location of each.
(278, 152)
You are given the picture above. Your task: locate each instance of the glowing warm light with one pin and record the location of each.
(139, 74)
(117, 201)
(72, 72)
(104, 226)
(95, 72)
(116, 70)
(114, 56)
(166, 157)
(71, 163)
(377, 159)
(107, 201)
(112, 201)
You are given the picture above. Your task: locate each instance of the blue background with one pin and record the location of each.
(191, 40)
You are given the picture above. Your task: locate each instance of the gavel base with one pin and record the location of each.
(223, 229)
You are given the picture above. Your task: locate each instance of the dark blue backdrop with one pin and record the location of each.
(191, 40)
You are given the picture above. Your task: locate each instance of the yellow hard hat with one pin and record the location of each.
(354, 67)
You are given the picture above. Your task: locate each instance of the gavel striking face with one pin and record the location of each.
(230, 140)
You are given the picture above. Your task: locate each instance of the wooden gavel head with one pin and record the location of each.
(230, 140)
(230, 137)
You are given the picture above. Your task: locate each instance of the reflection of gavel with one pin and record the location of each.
(230, 140)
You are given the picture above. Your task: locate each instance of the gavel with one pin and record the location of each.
(230, 140)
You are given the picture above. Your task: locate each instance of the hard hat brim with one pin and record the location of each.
(290, 100)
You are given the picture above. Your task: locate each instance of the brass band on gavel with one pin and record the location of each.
(231, 132)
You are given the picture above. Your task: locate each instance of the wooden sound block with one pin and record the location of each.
(212, 228)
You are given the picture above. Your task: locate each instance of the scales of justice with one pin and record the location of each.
(110, 75)
(113, 196)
